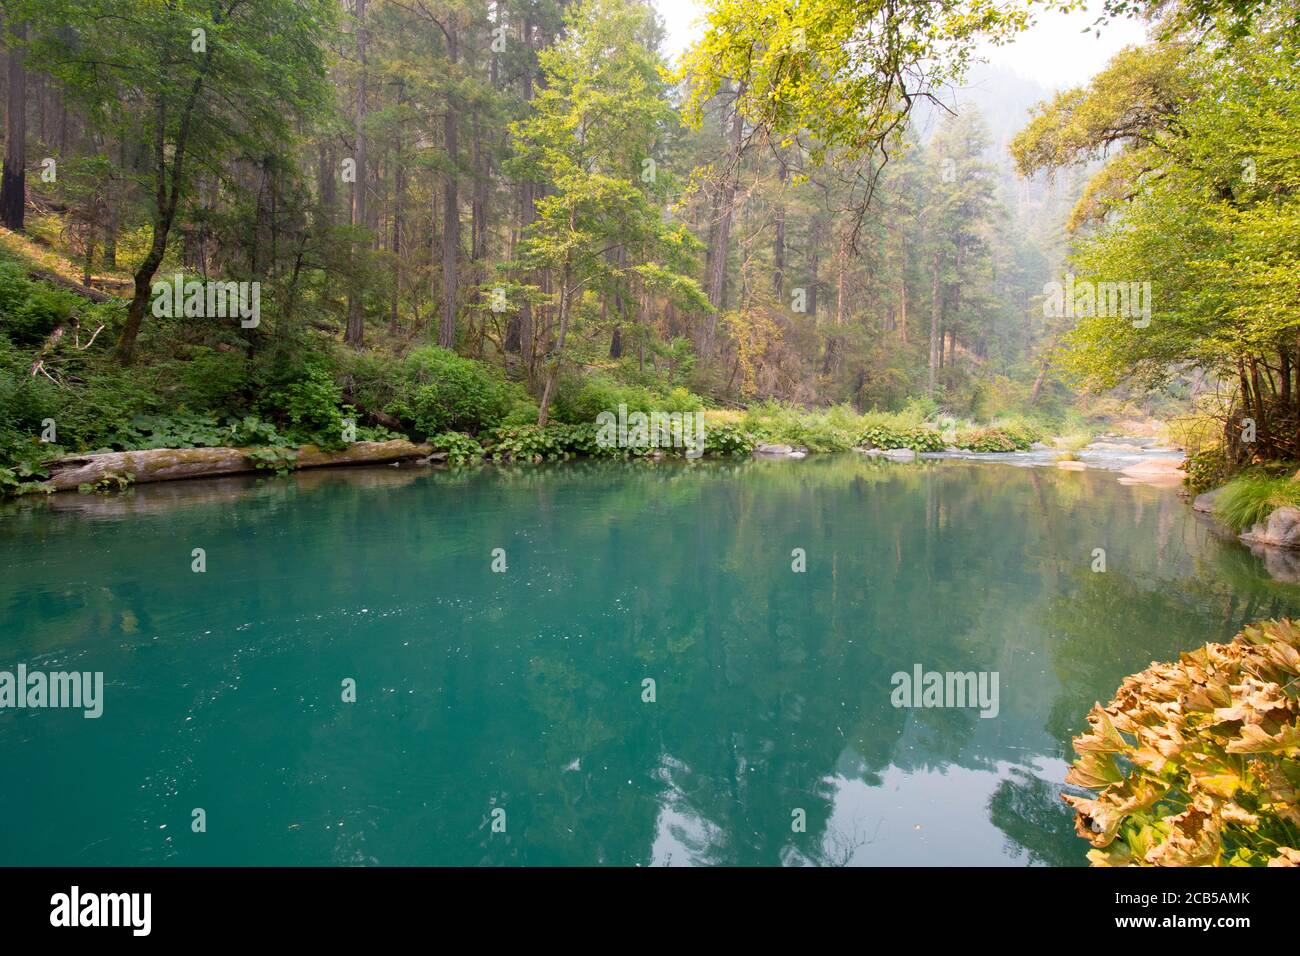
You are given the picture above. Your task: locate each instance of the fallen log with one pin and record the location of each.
(170, 464)
(94, 295)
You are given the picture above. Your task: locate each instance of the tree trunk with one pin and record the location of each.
(553, 369)
(778, 242)
(450, 208)
(399, 202)
(167, 197)
(902, 314)
(356, 329)
(13, 180)
(725, 198)
(936, 307)
(519, 326)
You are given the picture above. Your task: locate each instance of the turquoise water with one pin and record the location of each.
(522, 690)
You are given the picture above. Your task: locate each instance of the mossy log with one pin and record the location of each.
(170, 464)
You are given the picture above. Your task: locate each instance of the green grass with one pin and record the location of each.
(1249, 499)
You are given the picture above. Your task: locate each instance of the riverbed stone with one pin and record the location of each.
(1165, 472)
(1073, 465)
(1281, 529)
(1204, 503)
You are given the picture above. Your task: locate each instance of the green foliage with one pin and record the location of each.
(215, 380)
(581, 439)
(1020, 430)
(273, 458)
(180, 430)
(1195, 763)
(251, 430)
(1250, 499)
(1206, 469)
(532, 443)
(25, 400)
(309, 401)
(728, 439)
(441, 391)
(812, 432)
(461, 449)
(881, 432)
(580, 399)
(1200, 199)
(818, 431)
(29, 310)
(995, 439)
(829, 67)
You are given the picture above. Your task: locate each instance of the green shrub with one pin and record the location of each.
(214, 381)
(533, 443)
(1249, 499)
(308, 400)
(582, 439)
(26, 400)
(989, 440)
(1020, 430)
(1195, 763)
(580, 400)
(1206, 469)
(461, 449)
(274, 458)
(886, 435)
(728, 439)
(29, 310)
(441, 392)
(179, 430)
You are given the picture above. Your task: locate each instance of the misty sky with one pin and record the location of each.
(1055, 51)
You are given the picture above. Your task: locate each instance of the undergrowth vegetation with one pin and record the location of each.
(1195, 763)
(274, 389)
(1249, 499)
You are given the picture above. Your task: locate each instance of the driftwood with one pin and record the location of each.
(169, 464)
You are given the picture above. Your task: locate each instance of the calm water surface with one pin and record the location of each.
(523, 690)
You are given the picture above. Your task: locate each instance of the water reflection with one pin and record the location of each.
(523, 690)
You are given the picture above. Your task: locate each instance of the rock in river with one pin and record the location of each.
(1281, 529)
(1204, 503)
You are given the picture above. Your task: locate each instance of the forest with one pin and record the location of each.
(479, 224)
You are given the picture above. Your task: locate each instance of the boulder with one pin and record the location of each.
(1204, 503)
(1281, 529)
(776, 451)
(1155, 466)
(900, 454)
(1155, 471)
(1073, 465)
